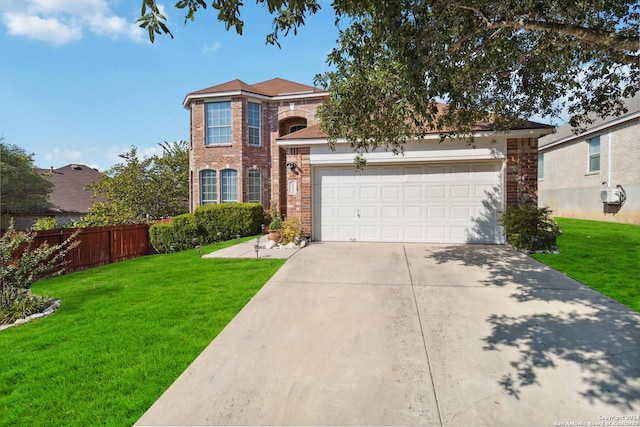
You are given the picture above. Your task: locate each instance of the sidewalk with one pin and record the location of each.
(248, 250)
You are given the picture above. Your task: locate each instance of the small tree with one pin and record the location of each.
(22, 265)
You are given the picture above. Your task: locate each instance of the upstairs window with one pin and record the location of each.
(253, 114)
(540, 166)
(254, 186)
(296, 128)
(229, 185)
(594, 154)
(208, 187)
(218, 123)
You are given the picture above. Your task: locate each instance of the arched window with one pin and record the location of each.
(229, 185)
(296, 128)
(208, 187)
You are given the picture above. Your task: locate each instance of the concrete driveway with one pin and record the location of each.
(415, 334)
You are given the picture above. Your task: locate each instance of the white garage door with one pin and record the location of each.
(449, 203)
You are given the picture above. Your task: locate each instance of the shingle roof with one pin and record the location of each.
(69, 182)
(273, 87)
(315, 131)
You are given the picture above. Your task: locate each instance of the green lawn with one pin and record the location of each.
(123, 334)
(602, 255)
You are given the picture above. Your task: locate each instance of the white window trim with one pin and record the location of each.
(259, 127)
(207, 127)
(591, 155)
(215, 188)
(222, 188)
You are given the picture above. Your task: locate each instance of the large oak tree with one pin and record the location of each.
(499, 61)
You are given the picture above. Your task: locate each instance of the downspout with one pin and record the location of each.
(609, 156)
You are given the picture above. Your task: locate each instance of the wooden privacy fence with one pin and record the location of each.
(100, 245)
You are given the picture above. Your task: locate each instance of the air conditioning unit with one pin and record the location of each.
(610, 196)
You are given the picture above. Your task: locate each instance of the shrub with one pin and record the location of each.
(45, 223)
(222, 222)
(276, 221)
(22, 265)
(179, 235)
(530, 227)
(291, 230)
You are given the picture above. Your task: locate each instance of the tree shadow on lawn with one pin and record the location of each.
(581, 326)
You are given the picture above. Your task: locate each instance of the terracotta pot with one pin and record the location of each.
(275, 235)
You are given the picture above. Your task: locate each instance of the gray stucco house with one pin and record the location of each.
(595, 174)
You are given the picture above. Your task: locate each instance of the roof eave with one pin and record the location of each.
(293, 142)
(226, 94)
(591, 131)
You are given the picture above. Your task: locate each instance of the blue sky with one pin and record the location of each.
(81, 83)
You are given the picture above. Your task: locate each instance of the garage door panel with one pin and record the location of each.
(346, 212)
(412, 192)
(413, 213)
(460, 191)
(390, 192)
(390, 213)
(432, 203)
(436, 192)
(460, 213)
(368, 193)
(437, 233)
(436, 213)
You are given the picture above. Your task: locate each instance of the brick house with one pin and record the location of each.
(262, 142)
(575, 169)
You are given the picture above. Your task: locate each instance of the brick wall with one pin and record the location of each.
(299, 204)
(270, 159)
(522, 171)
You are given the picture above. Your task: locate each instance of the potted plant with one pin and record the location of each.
(275, 226)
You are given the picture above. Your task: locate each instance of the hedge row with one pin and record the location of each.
(207, 224)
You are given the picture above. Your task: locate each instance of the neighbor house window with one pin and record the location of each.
(253, 113)
(208, 187)
(229, 185)
(254, 186)
(219, 123)
(540, 166)
(594, 154)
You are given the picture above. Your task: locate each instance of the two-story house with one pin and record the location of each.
(262, 142)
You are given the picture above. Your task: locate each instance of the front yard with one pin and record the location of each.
(602, 255)
(123, 334)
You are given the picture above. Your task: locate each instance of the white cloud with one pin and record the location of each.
(115, 26)
(61, 156)
(48, 30)
(213, 47)
(62, 21)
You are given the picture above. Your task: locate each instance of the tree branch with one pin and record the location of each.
(613, 41)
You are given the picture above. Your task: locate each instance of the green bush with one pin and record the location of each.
(529, 227)
(162, 237)
(45, 223)
(179, 235)
(225, 221)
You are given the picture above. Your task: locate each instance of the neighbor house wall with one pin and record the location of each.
(571, 191)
